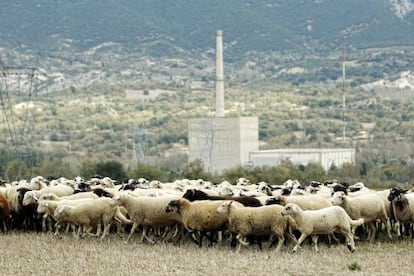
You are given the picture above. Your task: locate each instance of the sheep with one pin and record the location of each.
(265, 220)
(21, 217)
(403, 206)
(195, 194)
(4, 211)
(69, 198)
(88, 214)
(49, 202)
(146, 211)
(199, 216)
(310, 202)
(368, 206)
(31, 197)
(323, 221)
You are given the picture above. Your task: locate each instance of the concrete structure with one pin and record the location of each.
(222, 143)
(219, 75)
(325, 157)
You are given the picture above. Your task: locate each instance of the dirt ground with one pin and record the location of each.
(44, 254)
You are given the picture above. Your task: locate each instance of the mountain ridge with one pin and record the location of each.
(272, 25)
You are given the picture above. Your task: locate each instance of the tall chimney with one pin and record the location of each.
(219, 75)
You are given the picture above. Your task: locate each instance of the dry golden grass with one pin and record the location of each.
(44, 254)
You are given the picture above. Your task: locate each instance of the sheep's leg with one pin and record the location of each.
(315, 242)
(388, 228)
(105, 231)
(134, 227)
(373, 231)
(291, 236)
(99, 229)
(49, 224)
(349, 240)
(301, 239)
(281, 241)
(242, 241)
(144, 235)
(44, 217)
(58, 225)
(210, 237)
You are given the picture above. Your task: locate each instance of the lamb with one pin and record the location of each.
(88, 214)
(146, 211)
(323, 221)
(199, 216)
(265, 220)
(368, 206)
(402, 205)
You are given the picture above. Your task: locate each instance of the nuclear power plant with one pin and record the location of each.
(222, 142)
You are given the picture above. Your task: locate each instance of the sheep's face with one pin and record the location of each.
(224, 207)
(395, 194)
(42, 207)
(28, 198)
(289, 209)
(338, 198)
(173, 206)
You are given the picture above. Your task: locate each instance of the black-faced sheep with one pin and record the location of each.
(402, 206)
(323, 221)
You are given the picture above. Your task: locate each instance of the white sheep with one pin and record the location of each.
(31, 197)
(46, 207)
(87, 215)
(146, 211)
(323, 221)
(368, 206)
(264, 220)
(199, 216)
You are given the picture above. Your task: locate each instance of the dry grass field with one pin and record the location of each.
(44, 254)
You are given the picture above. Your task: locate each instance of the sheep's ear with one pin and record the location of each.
(35, 197)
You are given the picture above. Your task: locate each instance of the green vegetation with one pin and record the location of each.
(100, 131)
(355, 266)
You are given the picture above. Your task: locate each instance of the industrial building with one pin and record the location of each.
(222, 142)
(327, 158)
(225, 142)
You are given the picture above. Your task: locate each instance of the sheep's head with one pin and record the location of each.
(396, 194)
(60, 210)
(173, 206)
(224, 207)
(290, 209)
(338, 198)
(42, 207)
(29, 198)
(272, 201)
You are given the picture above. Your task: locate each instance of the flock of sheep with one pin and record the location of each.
(241, 213)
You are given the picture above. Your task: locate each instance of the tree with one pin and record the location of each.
(148, 172)
(112, 169)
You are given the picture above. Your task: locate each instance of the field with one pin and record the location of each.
(44, 254)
